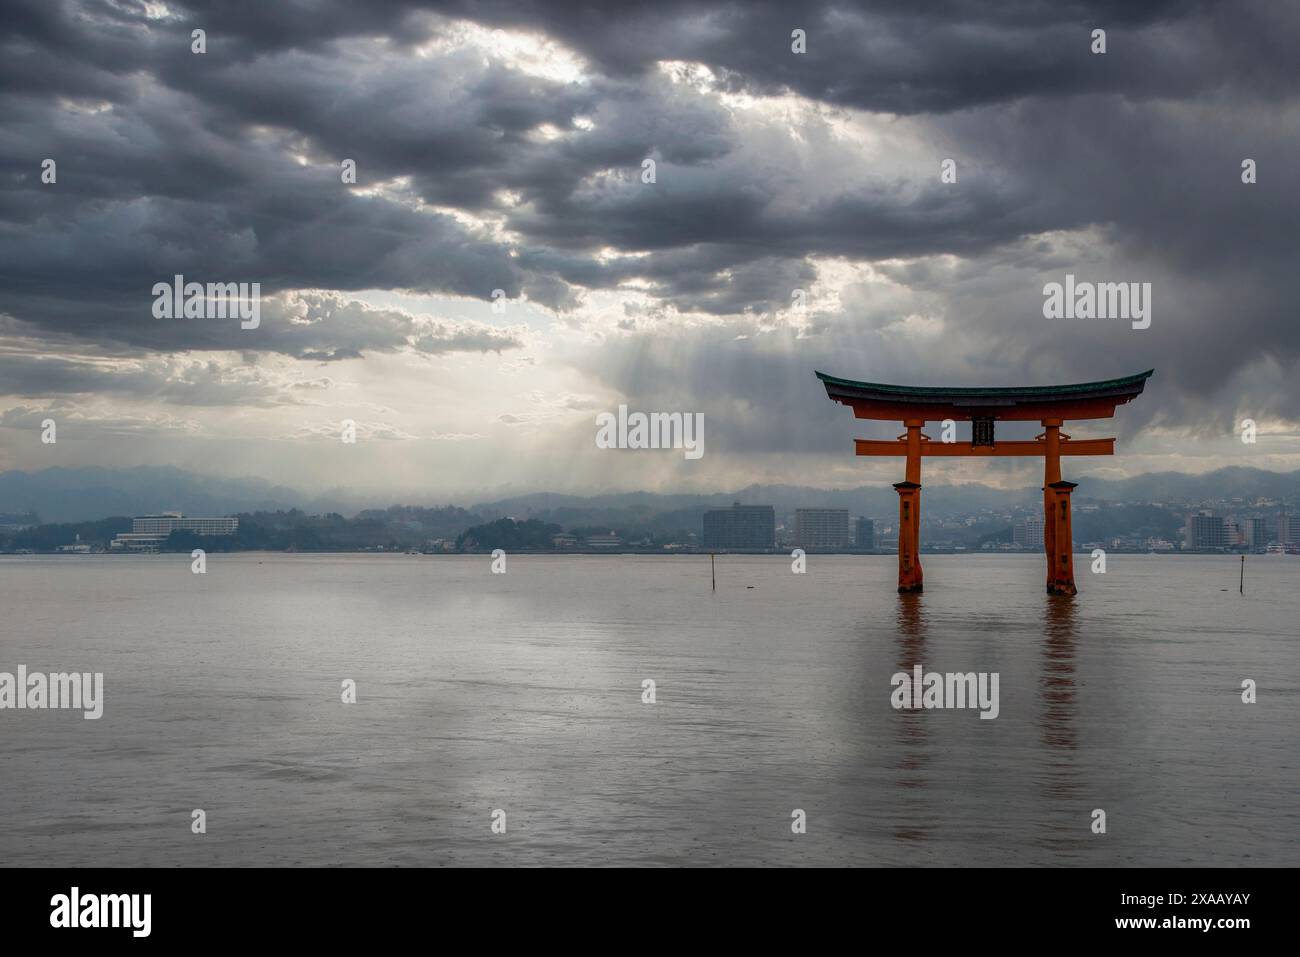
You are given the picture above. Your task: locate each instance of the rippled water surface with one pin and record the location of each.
(523, 692)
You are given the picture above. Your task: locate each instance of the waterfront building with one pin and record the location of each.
(740, 527)
(1028, 533)
(150, 531)
(1204, 530)
(821, 527)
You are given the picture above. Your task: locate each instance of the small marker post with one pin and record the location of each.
(1241, 585)
(713, 572)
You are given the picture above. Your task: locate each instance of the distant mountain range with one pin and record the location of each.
(83, 494)
(1168, 488)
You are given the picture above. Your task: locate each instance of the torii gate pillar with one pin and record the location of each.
(1057, 582)
(1060, 561)
(910, 578)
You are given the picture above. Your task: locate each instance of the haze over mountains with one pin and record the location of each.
(82, 494)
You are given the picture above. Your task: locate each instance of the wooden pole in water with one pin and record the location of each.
(1241, 586)
(713, 572)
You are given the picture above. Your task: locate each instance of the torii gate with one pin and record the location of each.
(1051, 405)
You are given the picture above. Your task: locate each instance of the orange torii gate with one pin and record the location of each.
(1051, 405)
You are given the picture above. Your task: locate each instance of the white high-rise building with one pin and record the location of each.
(1255, 531)
(150, 531)
(1288, 528)
(1028, 532)
(1232, 533)
(821, 527)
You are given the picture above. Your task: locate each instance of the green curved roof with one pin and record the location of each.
(852, 388)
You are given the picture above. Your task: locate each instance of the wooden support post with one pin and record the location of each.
(909, 559)
(910, 578)
(1063, 560)
(1051, 475)
(913, 473)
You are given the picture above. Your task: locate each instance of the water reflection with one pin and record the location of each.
(1059, 777)
(911, 630)
(913, 736)
(1057, 681)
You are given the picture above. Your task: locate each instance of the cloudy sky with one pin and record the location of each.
(501, 146)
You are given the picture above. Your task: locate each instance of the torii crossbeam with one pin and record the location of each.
(1050, 405)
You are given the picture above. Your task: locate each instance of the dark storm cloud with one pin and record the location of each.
(900, 56)
(224, 167)
(894, 56)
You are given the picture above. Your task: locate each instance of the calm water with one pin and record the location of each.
(523, 692)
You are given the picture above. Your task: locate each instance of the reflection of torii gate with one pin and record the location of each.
(1051, 405)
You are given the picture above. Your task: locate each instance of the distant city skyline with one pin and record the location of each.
(77, 495)
(740, 527)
